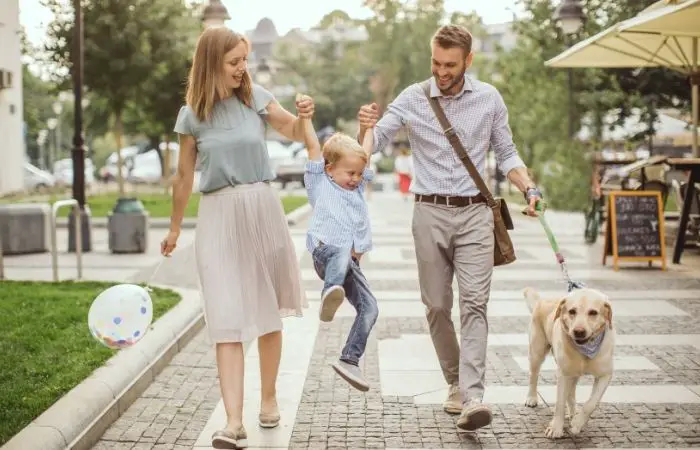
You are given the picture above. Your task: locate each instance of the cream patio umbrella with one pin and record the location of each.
(665, 34)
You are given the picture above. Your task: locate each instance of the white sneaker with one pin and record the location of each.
(330, 302)
(352, 374)
(475, 415)
(453, 403)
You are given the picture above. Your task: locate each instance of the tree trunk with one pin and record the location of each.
(120, 160)
(166, 165)
(155, 144)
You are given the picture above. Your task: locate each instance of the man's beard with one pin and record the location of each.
(455, 81)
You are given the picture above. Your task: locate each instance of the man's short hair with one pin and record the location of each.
(451, 36)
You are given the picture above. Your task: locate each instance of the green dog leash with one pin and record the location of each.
(540, 208)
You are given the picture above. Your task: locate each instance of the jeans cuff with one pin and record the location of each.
(348, 360)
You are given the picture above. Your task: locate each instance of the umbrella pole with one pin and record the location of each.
(694, 81)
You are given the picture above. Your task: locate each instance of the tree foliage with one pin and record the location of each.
(538, 96)
(129, 47)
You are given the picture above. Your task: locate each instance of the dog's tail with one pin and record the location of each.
(531, 297)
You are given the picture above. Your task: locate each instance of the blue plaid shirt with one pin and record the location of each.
(340, 217)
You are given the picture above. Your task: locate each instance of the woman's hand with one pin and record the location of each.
(169, 243)
(305, 107)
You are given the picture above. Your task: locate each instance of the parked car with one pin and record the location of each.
(278, 153)
(36, 179)
(291, 169)
(63, 172)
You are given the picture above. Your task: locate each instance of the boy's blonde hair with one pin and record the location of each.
(340, 145)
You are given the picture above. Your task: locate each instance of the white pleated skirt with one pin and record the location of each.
(248, 268)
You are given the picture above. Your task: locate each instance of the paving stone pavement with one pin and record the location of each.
(653, 400)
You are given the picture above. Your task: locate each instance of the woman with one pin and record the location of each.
(247, 264)
(403, 166)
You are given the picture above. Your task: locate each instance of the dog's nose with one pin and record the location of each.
(579, 333)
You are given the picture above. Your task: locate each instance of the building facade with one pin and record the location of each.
(12, 155)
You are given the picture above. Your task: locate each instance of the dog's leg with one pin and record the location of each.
(556, 426)
(599, 386)
(571, 400)
(537, 352)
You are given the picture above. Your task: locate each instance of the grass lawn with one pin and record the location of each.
(46, 348)
(157, 204)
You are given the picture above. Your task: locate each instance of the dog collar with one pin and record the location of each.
(591, 347)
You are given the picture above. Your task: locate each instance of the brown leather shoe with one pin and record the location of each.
(453, 403)
(475, 415)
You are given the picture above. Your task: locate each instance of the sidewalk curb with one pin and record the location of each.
(81, 416)
(293, 218)
(153, 222)
(299, 214)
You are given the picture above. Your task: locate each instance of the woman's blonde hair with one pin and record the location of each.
(340, 145)
(205, 84)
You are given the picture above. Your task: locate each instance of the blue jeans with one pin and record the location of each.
(337, 268)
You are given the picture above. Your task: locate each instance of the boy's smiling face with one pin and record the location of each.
(347, 172)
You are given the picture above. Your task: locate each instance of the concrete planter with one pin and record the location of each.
(128, 227)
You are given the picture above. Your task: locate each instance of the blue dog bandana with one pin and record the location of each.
(590, 348)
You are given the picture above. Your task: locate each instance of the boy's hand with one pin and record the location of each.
(305, 106)
(313, 147)
(368, 115)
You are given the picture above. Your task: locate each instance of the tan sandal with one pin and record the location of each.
(226, 439)
(269, 420)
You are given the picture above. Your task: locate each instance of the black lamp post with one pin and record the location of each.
(78, 153)
(570, 16)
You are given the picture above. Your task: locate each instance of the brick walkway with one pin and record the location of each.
(653, 401)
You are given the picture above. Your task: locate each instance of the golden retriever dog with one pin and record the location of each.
(578, 329)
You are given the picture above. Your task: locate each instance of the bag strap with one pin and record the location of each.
(457, 145)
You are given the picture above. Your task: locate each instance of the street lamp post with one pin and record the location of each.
(78, 153)
(262, 73)
(569, 14)
(58, 109)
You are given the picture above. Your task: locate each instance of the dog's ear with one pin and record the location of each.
(560, 308)
(607, 312)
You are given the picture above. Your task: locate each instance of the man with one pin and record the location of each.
(452, 224)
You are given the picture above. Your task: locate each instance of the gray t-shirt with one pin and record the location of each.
(231, 145)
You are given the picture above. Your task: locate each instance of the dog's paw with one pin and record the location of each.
(577, 424)
(531, 401)
(555, 430)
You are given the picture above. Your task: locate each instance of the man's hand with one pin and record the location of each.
(368, 115)
(305, 107)
(533, 196)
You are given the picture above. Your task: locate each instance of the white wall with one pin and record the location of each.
(11, 134)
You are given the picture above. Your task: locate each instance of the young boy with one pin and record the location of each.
(339, 234)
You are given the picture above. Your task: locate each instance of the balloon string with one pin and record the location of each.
(153, 275)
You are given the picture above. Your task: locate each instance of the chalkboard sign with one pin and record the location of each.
(635, 228)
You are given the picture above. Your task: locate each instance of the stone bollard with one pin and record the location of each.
(25, 228)
(127, 226)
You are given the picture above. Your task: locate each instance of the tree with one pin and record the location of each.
(119, 56)
(399, 43)
(537, 96)
(162, 94)
(335, 72)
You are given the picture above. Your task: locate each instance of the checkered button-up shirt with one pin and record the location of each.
(478, 115)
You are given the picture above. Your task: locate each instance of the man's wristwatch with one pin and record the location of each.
(532, 192)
